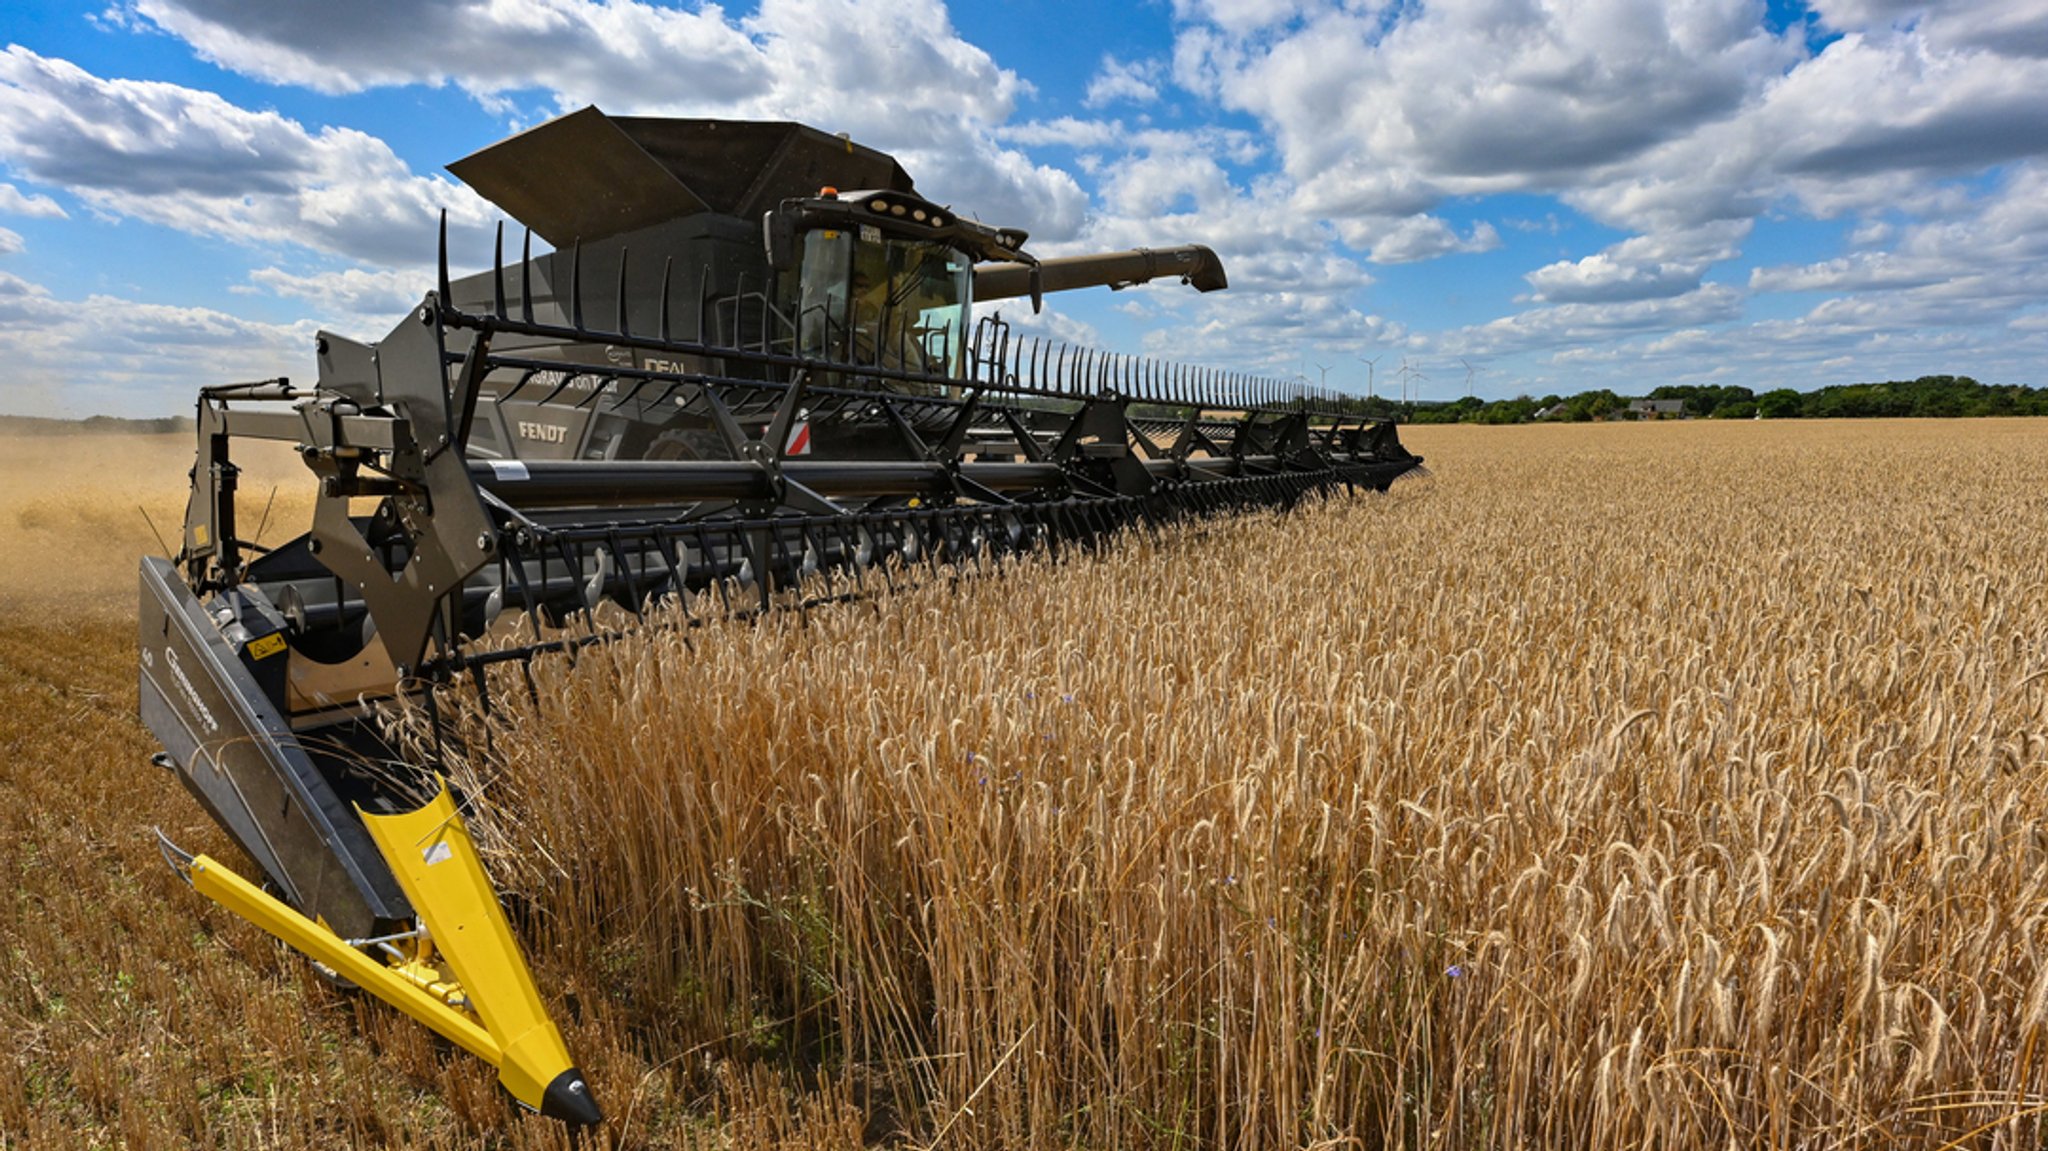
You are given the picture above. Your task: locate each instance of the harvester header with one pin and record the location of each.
(728, 387)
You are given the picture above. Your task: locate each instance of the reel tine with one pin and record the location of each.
(576, 286)
(498, 272)
(667, 266)
(621, 328)
(703, 290)
(442, 280)
(526, 279)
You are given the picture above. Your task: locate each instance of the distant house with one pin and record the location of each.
(1656, 410)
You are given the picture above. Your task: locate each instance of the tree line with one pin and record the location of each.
(1928, 396)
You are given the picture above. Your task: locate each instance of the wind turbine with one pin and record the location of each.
(1468, 376)
(1368, 370)
(1408, 375)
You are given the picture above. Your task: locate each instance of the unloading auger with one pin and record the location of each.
(787, 400)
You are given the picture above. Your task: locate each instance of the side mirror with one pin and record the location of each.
(778, 235)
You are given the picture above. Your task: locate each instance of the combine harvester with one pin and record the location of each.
(726, 376)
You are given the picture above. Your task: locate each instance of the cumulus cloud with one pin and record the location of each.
(145, 359)
(1065, 131)
(1896, 104)
(1978, 266)
(193, 161)
(1861, 272)
(1680, 124)
(1677, 126)
(15, 202)
(1562, 325)
(485, 47)
(1134, 82)
(1418, 237)
(357, 301)
(894, 74)
(1290, 286)
(2006, 27)
(1657, 265)
(1472, 96)
(1601, 278)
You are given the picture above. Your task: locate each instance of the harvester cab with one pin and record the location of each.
(727, 387)
(879, 277)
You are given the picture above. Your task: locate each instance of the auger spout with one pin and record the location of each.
(1195, 265)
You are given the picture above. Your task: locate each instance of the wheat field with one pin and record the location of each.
(1626, 785)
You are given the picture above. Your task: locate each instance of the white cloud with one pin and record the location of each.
(1869, 105)
(1417, 237)
(1066, 132)
(891, 73)
(1981, 266)
(1601, 278)
(10, 242)
(1657, 265)
(2006, 27)
(1861, 272)
(191, 160)
(1484, 95)
(351, 299)
(1568, 324)
(1238, 16)
(103, 354)
(487, 47)
(1865, 15)
(2013, 28)
(15, 202)
(1134, 82)
(1681, 123)
(1678, 125)
(1052, 324)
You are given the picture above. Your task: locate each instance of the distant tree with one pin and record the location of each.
(1779, 404)
(1593, 405)
(1516, 411)
(1928, 396)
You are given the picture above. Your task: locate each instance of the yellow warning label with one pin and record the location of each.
(269, 645)
(199, 535)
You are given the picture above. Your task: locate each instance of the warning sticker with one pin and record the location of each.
(508, 469)
(269, 645)
(439, 853)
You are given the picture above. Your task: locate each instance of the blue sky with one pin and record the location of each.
(1519, 196)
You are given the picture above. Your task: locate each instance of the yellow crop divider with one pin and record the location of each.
(436, 864)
